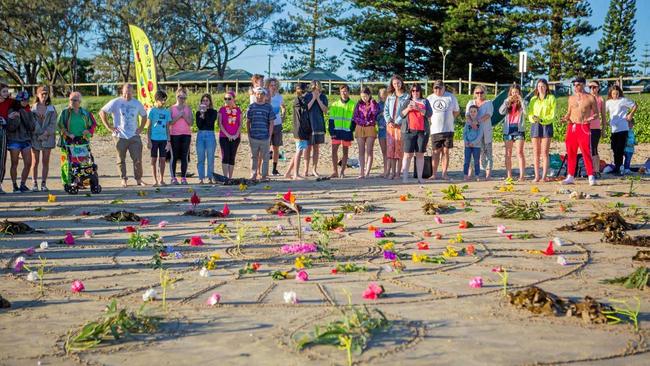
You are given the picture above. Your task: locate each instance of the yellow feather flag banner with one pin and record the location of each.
(145, 67)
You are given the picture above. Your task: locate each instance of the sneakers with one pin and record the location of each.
(174, 181)
(35, 187)
(23, 188)
(16, 188)
(569, 180)
(276, 173)
(44, 187)
(184, 181)
(627, 172)
(592, 180)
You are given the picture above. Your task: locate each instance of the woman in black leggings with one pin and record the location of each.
(229, 118)
(181, 134)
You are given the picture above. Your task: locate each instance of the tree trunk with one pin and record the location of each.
(312, 53)
(557, 22)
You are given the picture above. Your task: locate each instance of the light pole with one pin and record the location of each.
(444, 59)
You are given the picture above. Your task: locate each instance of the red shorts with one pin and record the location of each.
(341, 142)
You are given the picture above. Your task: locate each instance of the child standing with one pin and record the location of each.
(341, 129)
(158, 137)
(365, 116)
(381, 127)
(472, 136)
(629, 147)
(301, 132)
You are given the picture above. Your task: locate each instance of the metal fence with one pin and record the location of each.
(458, 86)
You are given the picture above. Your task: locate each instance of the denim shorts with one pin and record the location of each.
(302, 145)
(538, 130)
(18, 145)
(515, 136)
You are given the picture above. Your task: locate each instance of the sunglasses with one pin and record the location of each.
(577, 84)
(479, 93)
(594, 86)
(75, 100)
(415, 90)
(227, 99)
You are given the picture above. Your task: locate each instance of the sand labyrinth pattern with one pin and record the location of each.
(111, 270)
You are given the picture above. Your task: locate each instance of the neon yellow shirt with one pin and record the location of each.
(542, 108)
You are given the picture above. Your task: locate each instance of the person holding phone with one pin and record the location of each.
(206, 142)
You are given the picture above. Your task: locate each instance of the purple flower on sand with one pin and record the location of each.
(389, 255)
(379, 233)
(19, 264)
(178, 255)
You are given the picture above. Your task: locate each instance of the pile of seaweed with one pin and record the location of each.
(541, 302)
(4, 303)
(612, 225)
(120, 216)
(642, 256)
(283, 207)
(239, 181)
(12, 228)
(208, 212)
(434, 208)
(358, 208)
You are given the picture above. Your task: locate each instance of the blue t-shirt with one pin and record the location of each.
(159, 118)
(260, 115)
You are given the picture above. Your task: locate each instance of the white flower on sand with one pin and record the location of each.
(349, 216)
(387, 268)
(290, 297)
(20, 259)
(149, 295)
(32, 276)
(44, 245)
(254, 217)
(557, 241)
(501, 229)
(204, 272)
(561, 260)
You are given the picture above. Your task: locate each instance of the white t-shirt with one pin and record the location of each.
(617, 109)
(276, 103)
(125, 115)
(442, 119)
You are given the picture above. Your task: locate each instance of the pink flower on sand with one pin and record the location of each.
(476, 282)
(497, 269)
(302, 276)
(561, 260)
(69, 239)
(144, 222)
(214, 299)
(339, 230)
(77, 286)
(501, 229)
(196, 241)
(298, 248)
(30, 251)
(438, 220)
(162, 224)
(88, 234)
(226, 210)
(373, 292)
(19, 264)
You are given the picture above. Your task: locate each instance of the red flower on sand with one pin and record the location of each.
(226, 210)
(423, 245)
(195, 200)
(307, 219)
(77, 286)
(334, 271)
(196, 241)
(549, 249)
(509, 236)
(144, 222)
(388, 219)
(255, 266)
(427, 234)
(465, 224)
(130, 229)
(470, 249)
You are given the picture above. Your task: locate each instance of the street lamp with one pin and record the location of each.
(444, 59)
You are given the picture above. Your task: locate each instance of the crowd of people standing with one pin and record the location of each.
(403, 121)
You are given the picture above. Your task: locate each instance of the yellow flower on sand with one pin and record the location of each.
(300, 264)
(534, 189)
(242, 187)
(416, 258)
(389, 246)
(450, 252)
(51, 198)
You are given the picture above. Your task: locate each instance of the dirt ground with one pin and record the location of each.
(436, 317)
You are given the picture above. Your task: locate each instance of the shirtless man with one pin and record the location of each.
(582, 110)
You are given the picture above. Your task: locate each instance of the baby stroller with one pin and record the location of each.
(78, 168)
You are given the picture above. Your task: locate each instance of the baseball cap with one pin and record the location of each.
(438, 84)
(579, 79)
(259, 89)
(22, 95)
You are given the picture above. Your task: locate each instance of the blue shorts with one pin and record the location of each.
(302, 145)
(515, 136)
(538, 130)
(18, 145)
(381, 132)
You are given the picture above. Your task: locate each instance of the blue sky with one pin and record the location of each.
(255, 59)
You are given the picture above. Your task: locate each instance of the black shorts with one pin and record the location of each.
(538, 130)
(415, 142)
(443, 139)
(276, 136)
(595, 138)
(317, 138)
(158, 148)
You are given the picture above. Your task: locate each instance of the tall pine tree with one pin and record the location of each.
(556, 25)
(616, 48)
(300, 32)
(644, 65)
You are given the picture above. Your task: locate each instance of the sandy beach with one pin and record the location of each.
(436, 317)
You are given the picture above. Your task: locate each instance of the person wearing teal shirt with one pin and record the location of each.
(541, 112)
(158, 140)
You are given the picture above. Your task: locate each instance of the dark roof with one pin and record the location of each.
(202, 75)
(319, 74)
